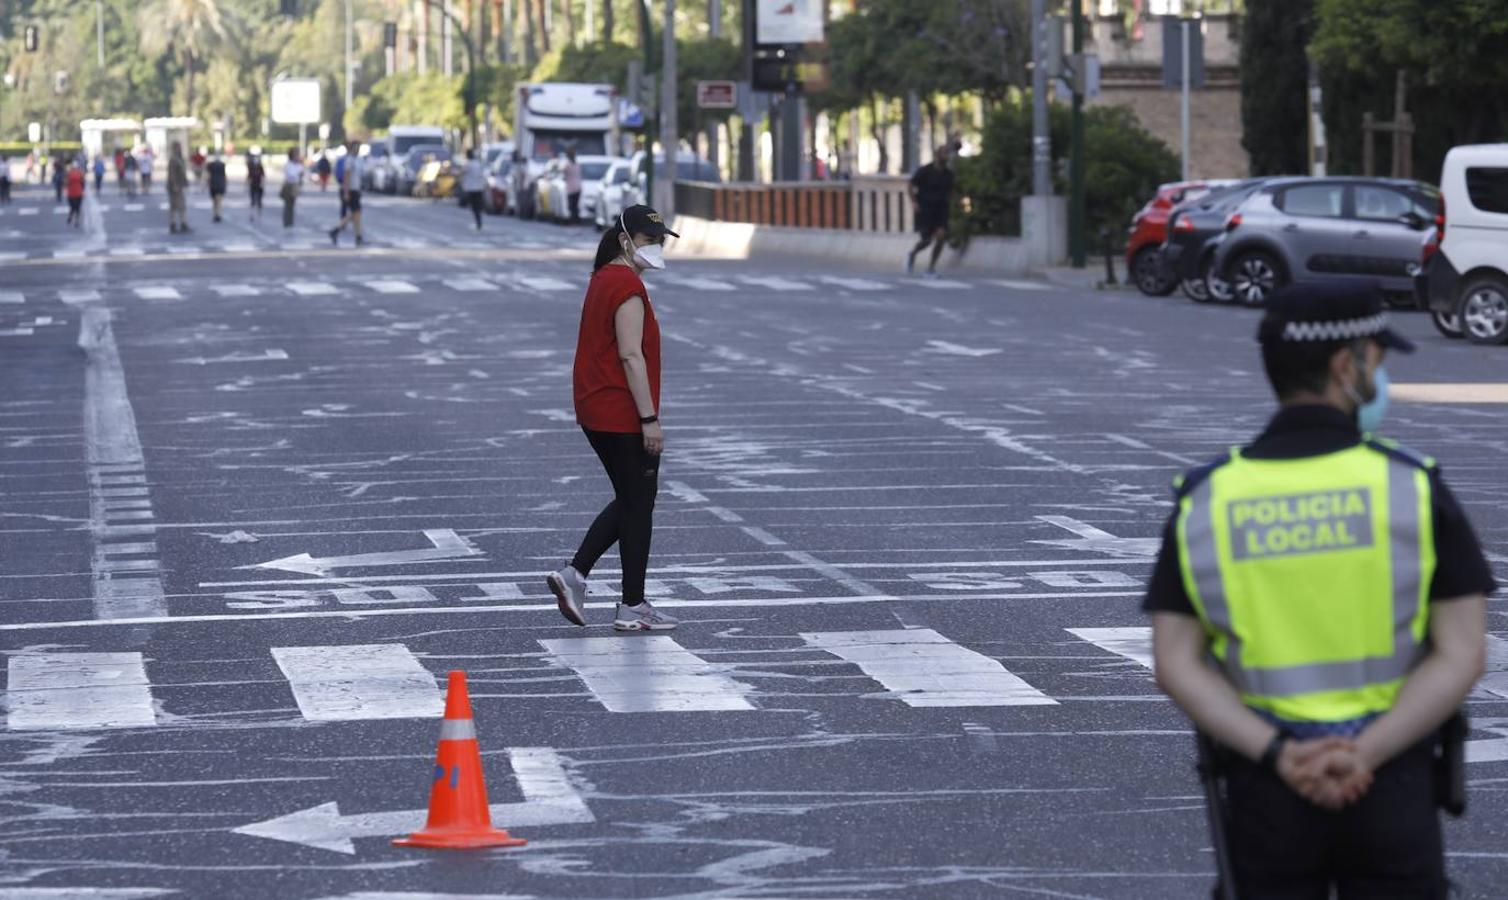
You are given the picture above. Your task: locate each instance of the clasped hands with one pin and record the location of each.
(1328, 772)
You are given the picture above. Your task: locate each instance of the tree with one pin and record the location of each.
(1454, 56)
(1275, 86)
(607, 21)
(187, 28)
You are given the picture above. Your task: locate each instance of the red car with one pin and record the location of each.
(1149, 228)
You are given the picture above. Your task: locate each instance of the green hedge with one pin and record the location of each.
(1123, 163)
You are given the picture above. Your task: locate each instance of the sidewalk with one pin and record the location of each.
(1089, 278)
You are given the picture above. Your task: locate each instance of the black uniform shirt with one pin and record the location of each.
(934, 186)
(1300, 431)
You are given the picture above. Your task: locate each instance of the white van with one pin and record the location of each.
(1466, 279)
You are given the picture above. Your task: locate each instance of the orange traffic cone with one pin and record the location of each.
(458, 814)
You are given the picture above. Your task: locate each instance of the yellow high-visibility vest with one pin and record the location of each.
(1311, 576)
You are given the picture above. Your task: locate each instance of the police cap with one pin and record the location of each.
(1331, 311)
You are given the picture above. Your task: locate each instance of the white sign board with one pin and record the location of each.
(789, 22)
(34, 131)
(296, 101)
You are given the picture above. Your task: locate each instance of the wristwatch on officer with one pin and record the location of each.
(1269, 760)
(648, 420)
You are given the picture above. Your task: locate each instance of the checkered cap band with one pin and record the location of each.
(1340, 330)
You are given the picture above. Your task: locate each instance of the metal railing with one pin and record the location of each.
(877, 204)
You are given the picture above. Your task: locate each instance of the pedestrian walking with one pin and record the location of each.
(473, 185)
(31, 166)
(340, 180)
(214, 170)
(1318, 610)
(75, 179)
(132, 169)
(146, 160)
(177, 190)
(120, 170)
(256, 181)
(931, 192)
(293, 176)
(350, 196)
(616, 386)
(99, 173)
(196, 165)
(572, 174)
(4, 179)
(322, 170)
(59, 176)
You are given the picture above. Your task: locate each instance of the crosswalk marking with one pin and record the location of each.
(700, 284)
(648, 674)
(1134, 643)
(78, 296)
(78, 690)
(469, 284)
(312, 288)
(925, 668)
(1495, 681)
(237, 290)
(158, 292)
(392, 286)
(775, 283)
(941, 284)
(855, 284)
(68, 254)
(359, 681)
(543, 283)
(1018, 285)
(128, 251)
(133, 207)
(27, 211)
(12, 254)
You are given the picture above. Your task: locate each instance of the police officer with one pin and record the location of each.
(1318, 609)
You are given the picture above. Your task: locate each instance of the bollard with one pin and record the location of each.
(1109, 259)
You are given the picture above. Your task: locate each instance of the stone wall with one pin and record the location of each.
(1214, 124)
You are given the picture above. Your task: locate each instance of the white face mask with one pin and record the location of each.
(650, 256)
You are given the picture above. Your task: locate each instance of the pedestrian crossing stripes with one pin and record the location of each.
(312, 288)
(391, 286)
(360, 681)
(158, 292)
(920, 668)
(924, 668)
(469, 284)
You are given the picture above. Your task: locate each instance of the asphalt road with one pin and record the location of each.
(906, 523)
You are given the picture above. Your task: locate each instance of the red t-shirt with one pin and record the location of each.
(603, 401)
(75, 184)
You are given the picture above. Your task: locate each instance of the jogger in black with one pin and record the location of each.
(628, 520)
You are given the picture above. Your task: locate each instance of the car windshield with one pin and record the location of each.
(405, 143)
(550, 144)
(418, 156)
(593, 171)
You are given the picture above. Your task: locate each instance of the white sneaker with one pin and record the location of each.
(643, 618)
(569, 588)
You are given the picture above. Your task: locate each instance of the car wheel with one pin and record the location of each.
(1219, 290)
(1196, 290)
(1254, 276)
(1448, 324)
(1484, 310)
(1146, 271)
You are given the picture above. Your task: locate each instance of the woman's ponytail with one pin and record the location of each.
(609, 248)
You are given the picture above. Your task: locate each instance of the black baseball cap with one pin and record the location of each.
(641, 219)
(1331, 311)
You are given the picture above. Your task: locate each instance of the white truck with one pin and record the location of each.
(551, 118)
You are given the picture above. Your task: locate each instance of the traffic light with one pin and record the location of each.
(31, 38)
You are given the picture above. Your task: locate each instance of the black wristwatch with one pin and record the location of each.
(648, 420)
(1269, 760)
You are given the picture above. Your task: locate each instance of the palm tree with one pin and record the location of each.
(188, 28)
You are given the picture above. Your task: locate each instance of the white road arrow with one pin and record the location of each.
(1093, 540)
(550, 799)
(448, 547)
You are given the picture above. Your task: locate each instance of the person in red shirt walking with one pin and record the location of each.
(617, 396)
(73, 184)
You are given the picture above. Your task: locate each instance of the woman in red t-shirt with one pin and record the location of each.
(74, 185)
(617, 396)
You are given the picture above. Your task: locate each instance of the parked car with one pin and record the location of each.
(592, 170)
(1445, 319)
(1149, 230)
(1466, 281)
(408, 173)
(1313, 229)
(437, 178)
(499, 176)
(1194, 229)
(619, 191)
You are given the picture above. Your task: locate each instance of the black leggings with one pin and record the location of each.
(629, 519)
(474, 200)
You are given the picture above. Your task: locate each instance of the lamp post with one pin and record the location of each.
(469, 91)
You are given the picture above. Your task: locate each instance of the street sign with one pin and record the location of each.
(296, 101)
(717, 94)
(789, 22)
(1172, 52)
(34, 131)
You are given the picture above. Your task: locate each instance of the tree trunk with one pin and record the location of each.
(544, 25)
(877, 129)
(188, 81)
(607, 21)
(531, 39)
(645, 37)
(570, 19)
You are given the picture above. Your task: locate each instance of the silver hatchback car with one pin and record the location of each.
(1311, 229)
